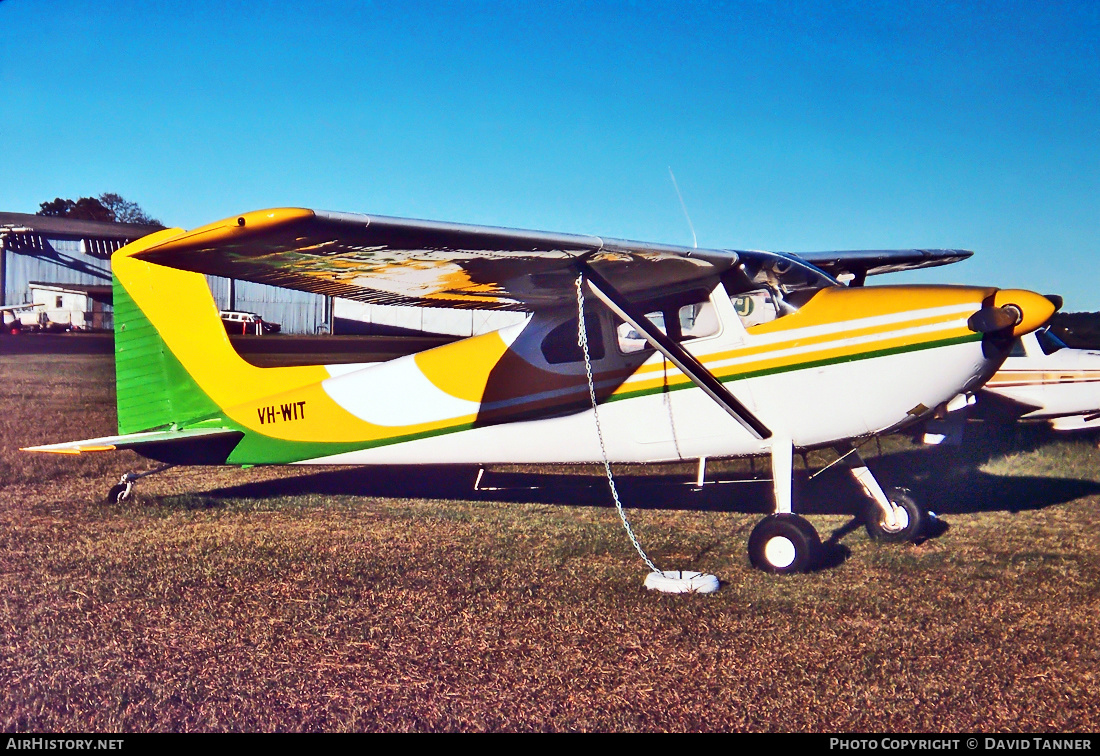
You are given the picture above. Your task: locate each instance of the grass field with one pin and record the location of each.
(394, 600)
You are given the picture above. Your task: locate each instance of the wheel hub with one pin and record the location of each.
(780, 552)
(901, 520)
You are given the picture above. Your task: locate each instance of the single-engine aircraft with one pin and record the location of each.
(11, 313)
(1041, 381)
(689, 354)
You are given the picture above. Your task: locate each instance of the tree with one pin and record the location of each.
(58, 208)
(125, 211)
(89, 208)
(108, 206)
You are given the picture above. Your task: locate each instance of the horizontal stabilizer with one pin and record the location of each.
(193, 446)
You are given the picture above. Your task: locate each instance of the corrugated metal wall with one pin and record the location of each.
(298, 312)
(35, 257)
(360, 317)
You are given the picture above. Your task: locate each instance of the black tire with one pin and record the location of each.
(784, 544)
(913, 519)
(119, 493)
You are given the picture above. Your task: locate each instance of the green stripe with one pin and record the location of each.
(729, 378)
(256, 448)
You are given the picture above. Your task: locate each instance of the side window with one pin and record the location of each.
(680, 322)
(561, 344)
(698, 320)
(755, 307)
(1017, 349)
(630, 341)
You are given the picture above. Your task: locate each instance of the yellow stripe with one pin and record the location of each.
(462, 369)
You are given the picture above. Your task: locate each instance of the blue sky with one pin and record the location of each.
(797, 126)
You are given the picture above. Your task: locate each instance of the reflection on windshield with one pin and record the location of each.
(783, 272)
(1048, 342)
(767, 285)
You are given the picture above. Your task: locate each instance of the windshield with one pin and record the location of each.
(1048, 342)
(767, 285)
(786, 273)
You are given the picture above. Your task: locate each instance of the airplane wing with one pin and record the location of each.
(386, 260)
(869, 262)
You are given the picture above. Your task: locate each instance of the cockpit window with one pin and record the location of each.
(1048, 342)
(767, 285)
(755, 307)
(785, 273)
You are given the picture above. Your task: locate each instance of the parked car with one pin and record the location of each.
(247, 323)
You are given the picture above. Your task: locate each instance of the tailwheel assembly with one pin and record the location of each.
(121, 491)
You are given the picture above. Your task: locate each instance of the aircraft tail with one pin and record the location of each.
(184, 395)
(154, 389)
(163, 411)
(176, 370)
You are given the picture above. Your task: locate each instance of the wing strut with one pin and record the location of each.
(675, 353)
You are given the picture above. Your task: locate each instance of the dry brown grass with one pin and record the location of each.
(220, 600)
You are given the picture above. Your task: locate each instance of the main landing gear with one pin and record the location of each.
(784, 542)
(120, 491)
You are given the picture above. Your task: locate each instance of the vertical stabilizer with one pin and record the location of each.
(174, 364)
(154, 390)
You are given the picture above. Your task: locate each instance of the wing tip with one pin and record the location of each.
(253, 222)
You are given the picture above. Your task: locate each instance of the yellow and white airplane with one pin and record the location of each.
(688, 354)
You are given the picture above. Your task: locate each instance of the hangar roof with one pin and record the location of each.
(51, 226)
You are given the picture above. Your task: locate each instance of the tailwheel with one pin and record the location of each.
(784, 543)
(120, 491)
(909, 519)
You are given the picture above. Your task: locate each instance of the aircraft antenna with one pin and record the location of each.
(694, 239)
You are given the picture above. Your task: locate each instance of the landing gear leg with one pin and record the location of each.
(783, 542)
(120, 491)
(892, 516)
